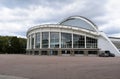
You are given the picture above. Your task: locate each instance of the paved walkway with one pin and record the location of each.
(59, 67)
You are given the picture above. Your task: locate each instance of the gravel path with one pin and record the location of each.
(60, 67)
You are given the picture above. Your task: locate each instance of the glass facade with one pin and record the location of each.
(37, 40)
(78, 23)
(54, 40)
(91, 42)
(29, 42)
(66, 40)
(45, 39)
(78, 41)
(32, 41)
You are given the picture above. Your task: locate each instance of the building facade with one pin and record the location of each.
(75, 35)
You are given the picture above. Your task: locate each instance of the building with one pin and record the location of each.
(116, 42)
(76, 35)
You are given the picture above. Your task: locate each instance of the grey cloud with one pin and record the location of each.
(91, 10)
(27, 3)
(112, 30)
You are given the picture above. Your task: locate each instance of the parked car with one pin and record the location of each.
(106, 54)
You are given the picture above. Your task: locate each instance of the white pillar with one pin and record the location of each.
(27, 42)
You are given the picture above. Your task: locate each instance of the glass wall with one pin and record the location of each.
(37, 40)
(29, 42)
(79, 23)
(54, 40)
(32, 41)
(91, 42)
(45, 39)
(66, 40)
(78, 41)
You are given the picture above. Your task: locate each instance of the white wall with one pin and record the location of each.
(104, 43)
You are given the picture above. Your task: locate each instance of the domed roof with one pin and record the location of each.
(80, 22)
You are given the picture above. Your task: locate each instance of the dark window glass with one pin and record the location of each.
(45, 37)
(54, 40)
(91, 42)
(32, 41)
(37, 40)
(66, 40)
(78, 41)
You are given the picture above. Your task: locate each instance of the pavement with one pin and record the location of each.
(59, 67)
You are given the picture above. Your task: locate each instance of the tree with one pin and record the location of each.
(12, 44)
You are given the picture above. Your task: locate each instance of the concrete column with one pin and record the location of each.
(59, 52)
(72, 52)
(27, 42)
(86, 53)
(28, 52)
(39, 52)
(48, 52)
(33, 52)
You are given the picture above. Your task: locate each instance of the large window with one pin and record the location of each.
(32, 41)
(91, 42)
(66, 40)
(29, 42)
(45, 39)
(54, 40)
(37, 40)
(78, 41)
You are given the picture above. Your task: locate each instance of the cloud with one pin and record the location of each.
(111, 18)
(17, 16)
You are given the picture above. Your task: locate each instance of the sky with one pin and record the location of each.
(17, 16)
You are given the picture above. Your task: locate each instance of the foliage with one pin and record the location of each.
(12, 45)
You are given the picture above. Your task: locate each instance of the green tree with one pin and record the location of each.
(12, 44)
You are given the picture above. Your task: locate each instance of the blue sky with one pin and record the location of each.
(17, 16)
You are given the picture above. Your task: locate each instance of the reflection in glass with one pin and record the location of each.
(78, 41)
(66, 40)
(78, 23)
(37, 40)
(91, 42)
(45, 39)
(32, 41)
(54, 40)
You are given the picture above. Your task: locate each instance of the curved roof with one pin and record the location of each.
(61, 27)
(80, 22)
